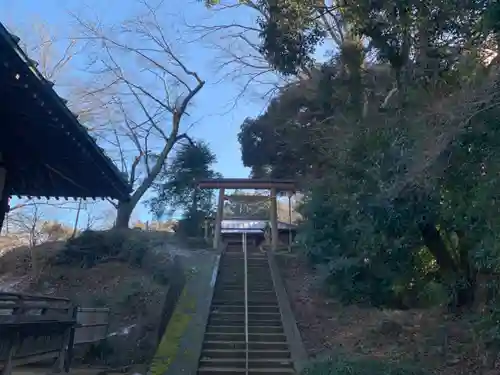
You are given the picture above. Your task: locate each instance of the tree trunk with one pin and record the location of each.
(3, 217)
(123, 214)
(461, 275)
(468, 276)
(75, 227)
(437, 247)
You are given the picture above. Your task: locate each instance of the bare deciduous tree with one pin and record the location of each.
(148, 89)
(237, 57)
(237, 42)
(28, 222)
(51, 54)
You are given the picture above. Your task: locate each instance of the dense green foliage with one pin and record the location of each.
(395, 139)
(395, 143)
(177, 189)
(348, 366)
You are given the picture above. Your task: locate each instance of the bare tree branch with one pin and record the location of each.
(149, 100)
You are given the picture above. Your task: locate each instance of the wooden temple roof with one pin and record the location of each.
(46, 151)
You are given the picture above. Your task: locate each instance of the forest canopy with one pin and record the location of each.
(395, 141)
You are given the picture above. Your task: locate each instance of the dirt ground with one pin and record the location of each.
(445, 344)
(134, 294)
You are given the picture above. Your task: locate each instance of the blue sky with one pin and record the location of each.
(217, 122)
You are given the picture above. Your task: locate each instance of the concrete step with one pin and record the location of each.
(238, 371)
(251, 261)
(238, 265)
(241, 302)
(253, 301)
(262, 363)
(268, 308)
(234, 353)
(252, 337)
(241, 329)
(236, 316)
(266, 293)
(224, 347)
(252, 294)
(241, 286)
(238, 287)
(241, 322)
(252, 281)
(240, 280)
(238, 292)
(230, 284)
(240, 345)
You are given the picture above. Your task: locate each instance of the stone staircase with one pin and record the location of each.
(225, 350)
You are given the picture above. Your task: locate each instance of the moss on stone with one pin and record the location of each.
(170, 342)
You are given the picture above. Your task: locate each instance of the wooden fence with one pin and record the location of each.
(38, 328)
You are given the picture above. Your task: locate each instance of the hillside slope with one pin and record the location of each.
(129, 275)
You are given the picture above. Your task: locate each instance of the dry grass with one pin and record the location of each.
(134, 294)
(445, 344)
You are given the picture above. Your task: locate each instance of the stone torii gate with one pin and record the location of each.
(222, 184)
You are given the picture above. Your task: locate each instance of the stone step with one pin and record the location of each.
(240, 279)
(239, 371)
(251, 285)
(241, 288)
(271, 308)
(263, 363)
(241, 284)
(241, 315)
(240, 345)
(217, 320)
(237, 264)
(234, 353)
(224, 347)
(252, 337)
(254, 301)
(241, 329)
(241, 302)
(252, 294)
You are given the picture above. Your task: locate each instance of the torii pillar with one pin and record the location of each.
(247, 183)
(274, 220)
(218, 218)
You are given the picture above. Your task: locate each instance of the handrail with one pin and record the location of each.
(244, 235)
(21, 309)
(18, 296)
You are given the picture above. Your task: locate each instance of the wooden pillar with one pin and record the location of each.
(4, 195)
(218, 219)
(13, 344)
(290, 221)
(274, 220)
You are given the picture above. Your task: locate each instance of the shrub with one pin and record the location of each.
(191, 225)
(362, 366)
(93, 247)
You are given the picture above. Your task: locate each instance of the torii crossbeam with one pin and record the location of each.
(275, 186)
